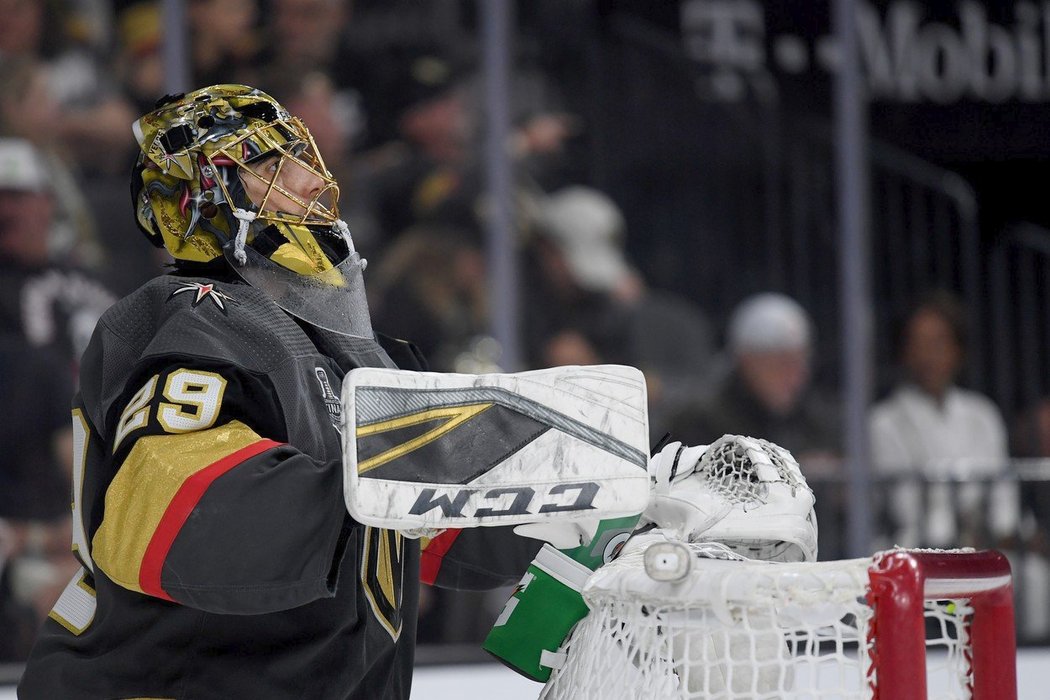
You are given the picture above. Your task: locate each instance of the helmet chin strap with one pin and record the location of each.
(244, 218)
(343, 230)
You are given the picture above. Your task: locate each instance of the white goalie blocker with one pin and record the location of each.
(427, 451)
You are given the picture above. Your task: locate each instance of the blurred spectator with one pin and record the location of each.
(66, 41)
(50, 305)
(427, 174)
(35, 562)
(930, 428)
(331, 120)
(1031, 443)
(306, 35)
(768, 391)
(28, 112)
(430, 288)
(569, 346)
(1031, 435)
(562, 321)
(665, 336)
(432, 172)
(46, 315)
(139, 62)
(309, 38)
(225, 41)
(37, 388)
(139, 66)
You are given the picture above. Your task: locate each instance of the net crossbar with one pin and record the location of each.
(903, 625)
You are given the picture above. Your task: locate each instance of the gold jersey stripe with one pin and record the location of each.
(155, 469)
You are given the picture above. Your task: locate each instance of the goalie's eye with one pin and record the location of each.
(265, 166)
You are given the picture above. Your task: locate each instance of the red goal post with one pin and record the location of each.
(901, 581)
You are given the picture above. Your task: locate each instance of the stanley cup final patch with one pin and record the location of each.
(331, 401)
(453, 450)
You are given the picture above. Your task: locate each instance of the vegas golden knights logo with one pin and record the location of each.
(382, 573)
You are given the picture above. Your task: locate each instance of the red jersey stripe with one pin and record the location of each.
(179, 509)
(431, 557)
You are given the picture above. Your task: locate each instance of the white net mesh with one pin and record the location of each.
(948, 649)
(741, 629)
(731, 472)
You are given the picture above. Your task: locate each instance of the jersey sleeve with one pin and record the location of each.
(209, 505)
(476, 559)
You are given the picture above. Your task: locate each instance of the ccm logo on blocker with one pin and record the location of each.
(453, 503)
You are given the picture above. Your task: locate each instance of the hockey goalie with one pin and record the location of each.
(261, 481)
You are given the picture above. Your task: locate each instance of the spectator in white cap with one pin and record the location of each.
(29, 113)
(590, 232)
(768, 390)
(44, 300)
(25, 202)
(769, 337)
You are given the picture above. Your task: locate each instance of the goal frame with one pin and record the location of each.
(901, 580)
(696, 616)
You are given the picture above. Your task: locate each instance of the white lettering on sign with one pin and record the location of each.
(906, 56)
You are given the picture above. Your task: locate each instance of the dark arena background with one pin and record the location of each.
(554, 182)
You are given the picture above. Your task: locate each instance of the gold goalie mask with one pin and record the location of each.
(227, 172)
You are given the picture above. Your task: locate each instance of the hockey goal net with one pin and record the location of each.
(902, 625)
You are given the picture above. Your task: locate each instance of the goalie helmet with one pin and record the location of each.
(227, 172)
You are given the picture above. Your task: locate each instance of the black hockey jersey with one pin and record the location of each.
(218, 557)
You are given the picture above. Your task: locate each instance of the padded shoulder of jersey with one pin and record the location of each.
(208, 319)
(192, 317)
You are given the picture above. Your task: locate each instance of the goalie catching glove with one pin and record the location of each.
(746, 493)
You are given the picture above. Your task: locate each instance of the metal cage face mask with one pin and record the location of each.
(268, 158)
